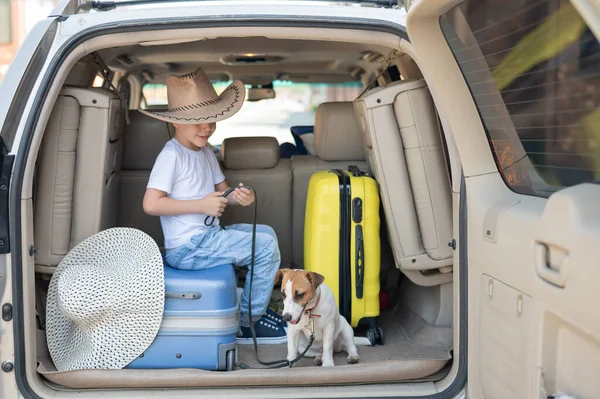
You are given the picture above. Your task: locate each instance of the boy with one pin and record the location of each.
(185, 189)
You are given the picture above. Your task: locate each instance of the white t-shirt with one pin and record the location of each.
(184, 174)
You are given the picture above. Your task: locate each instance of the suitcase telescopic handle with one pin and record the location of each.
(183, 295)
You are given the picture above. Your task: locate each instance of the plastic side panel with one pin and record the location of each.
(505, 335)
(321, 228)
(365, 188)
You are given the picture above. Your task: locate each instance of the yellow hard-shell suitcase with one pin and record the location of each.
(342, 242)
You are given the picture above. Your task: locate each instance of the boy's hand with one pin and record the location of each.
(214, 204)
(243, 196)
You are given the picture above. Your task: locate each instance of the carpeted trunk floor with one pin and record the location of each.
(398, 345)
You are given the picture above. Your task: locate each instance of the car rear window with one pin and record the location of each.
(533, 68)
(295, 105)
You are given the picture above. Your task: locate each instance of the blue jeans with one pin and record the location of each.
(217, 246)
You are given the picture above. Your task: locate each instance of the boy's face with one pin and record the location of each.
(195, 136)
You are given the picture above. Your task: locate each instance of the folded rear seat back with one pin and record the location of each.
(78, 172)
(401, 134)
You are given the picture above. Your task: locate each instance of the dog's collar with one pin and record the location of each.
(309, 312)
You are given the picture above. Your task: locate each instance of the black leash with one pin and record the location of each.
(225, 194)
(277, 363)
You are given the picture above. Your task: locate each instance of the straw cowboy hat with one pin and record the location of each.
(193, 99)
(105, 301)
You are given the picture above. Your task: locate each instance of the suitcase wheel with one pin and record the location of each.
(375, 335)
(379, 336)
(230, 365)
(372, 336)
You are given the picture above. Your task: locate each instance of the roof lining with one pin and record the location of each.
(330, 55)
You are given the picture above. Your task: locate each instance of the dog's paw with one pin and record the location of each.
(328, 363)
(318, 360)
(352, 359)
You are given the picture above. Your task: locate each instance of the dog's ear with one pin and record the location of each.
(315, 279)
(279, 275)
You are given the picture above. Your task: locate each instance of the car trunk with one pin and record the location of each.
(416, 319)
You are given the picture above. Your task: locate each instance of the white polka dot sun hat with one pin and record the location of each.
(105, 301)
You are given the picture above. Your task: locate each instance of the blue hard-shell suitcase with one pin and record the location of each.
(200, 322)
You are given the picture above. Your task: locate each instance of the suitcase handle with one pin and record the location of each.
(360, 262)
(183, 295)
(355, 171)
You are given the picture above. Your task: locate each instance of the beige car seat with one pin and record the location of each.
(254, 161)
(402, 137)
(77, 175)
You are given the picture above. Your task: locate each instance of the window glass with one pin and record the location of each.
(295, 104)
(98, 81)
(533, 68)
(154, 94)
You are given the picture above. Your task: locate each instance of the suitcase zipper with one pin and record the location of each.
(345, 285)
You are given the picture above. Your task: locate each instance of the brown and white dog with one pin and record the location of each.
(306, 299)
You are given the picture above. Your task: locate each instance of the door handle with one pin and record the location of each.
(551, 263)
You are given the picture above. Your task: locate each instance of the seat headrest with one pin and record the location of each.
(250, 152)
(337, 133)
